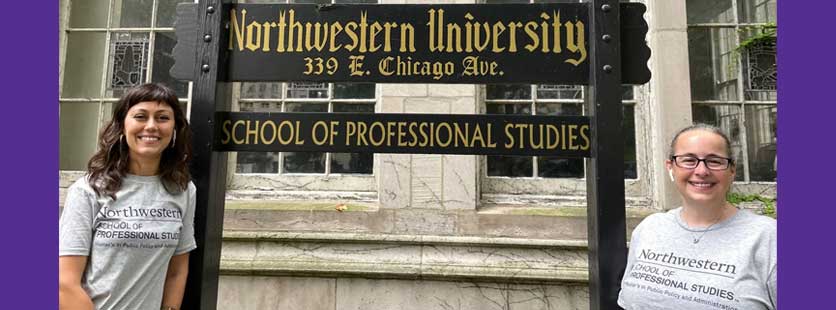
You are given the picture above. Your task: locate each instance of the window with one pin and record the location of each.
(563, 100)
(550, 100)
(732, 50)
(110, 46)
(306, 97)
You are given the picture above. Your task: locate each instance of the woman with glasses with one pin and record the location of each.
(705, 254)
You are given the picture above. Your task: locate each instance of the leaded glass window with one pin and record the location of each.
(550, 99)
(306, 97)
(733, 67)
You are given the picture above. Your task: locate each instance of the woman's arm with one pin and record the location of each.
(175, 281)
(70, 294)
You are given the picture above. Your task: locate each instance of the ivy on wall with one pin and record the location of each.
(768, 203)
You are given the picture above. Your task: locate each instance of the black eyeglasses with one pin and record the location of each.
(712, 163)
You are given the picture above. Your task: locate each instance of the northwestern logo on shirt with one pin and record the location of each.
(136, 212)
(673, 260)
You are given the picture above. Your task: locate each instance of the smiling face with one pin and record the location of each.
(149, 127)
(700, 186)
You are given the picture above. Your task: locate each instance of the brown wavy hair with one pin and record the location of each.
(109, 164)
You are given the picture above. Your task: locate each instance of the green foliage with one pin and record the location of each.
(768, 203)
(767, 32)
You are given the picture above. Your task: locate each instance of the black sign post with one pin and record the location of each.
(606, 224)
(200, 32)
(599, 43)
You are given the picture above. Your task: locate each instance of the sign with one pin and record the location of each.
(600, 43)
(566, 136)
(474, 43)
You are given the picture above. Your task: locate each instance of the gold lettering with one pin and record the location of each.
(438, 135)
(423, 134)
(530, 27)
(553, 140)
(509, 135)
(384, 66)
(361, 134)
(401, 133)
(556, 31)
(318, 45)
(363, 26)
(512, 45)
(324, 137)
(387, 36)
(349, 30)
(261, 132)
(468, 36)
(435, 46)
(225, 128)
(294, 25)
(298, 141)
(521, 128)
(585, 137)
(454, 36)
(412, 133)
(336, 28)
(407, 36)
(491, 144)
(382, 133)
(266, 26)
(251, 131)
(234, 126)
(282, 24)
(575, 45)
(477, 135)
(498, 29)
(461, 135)
(389, 133)
(573, 136)
(375, 29)
(333, 131)
(237, 31)
(350, 129)
(480, 46)
(250, 45)
(539, 144)
(544, 29)
(289, 139)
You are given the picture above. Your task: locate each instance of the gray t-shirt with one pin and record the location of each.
(128, 241)
(733, 265)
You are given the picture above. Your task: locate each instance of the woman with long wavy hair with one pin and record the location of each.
(127, 225)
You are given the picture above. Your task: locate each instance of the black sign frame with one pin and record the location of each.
(617, 54)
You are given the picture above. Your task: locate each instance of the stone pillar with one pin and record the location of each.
(669, 100)
(427, 181)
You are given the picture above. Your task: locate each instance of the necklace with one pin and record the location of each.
(702, 233)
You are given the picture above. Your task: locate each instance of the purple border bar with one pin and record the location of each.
(30, 155)
(806, 210)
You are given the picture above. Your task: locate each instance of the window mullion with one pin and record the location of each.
(149, 72)
(534, 166)
(103, 82)
(330, 110)
(741, 97)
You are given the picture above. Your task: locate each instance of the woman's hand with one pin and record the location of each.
(175, 281)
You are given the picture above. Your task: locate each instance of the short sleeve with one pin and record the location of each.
(187, 242)
(772, 276)
(75, 232)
